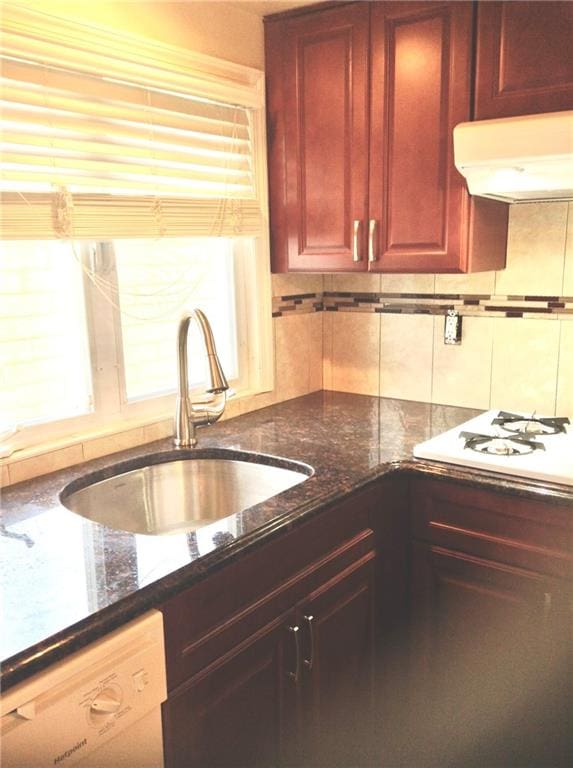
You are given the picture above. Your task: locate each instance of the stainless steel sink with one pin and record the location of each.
(180, 490)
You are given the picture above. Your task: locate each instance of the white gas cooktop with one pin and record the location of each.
(531, 453)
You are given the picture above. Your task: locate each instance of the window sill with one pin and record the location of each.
(50, 456)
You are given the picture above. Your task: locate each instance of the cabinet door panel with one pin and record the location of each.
(326, 152)
(239, 711)
(338, 683)
(524, 62)
(491, 660)
(420, 85)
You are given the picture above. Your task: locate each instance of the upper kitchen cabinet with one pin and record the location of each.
(362, 100)
(524, 62)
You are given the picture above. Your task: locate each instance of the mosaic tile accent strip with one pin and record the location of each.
(470, 305)
(300, 303)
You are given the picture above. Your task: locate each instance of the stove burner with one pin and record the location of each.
(522, 425)
(494, 445)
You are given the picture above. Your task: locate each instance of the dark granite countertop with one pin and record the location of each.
(67, 581)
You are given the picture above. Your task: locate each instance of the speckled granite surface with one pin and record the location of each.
(67, 581)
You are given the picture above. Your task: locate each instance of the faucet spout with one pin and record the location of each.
(188, 415)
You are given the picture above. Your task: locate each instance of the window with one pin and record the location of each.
(42, 329)
(154, 287)
(133, 188)
(88, 330)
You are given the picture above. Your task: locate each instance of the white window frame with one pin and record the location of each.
(112, 412)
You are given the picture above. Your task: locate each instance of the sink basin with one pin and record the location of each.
(180, 490)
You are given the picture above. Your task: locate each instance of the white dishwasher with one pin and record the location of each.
(101, 706)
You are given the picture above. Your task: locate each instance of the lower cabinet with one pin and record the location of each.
(278, 680)
(240, 710)
(491, 653)
(419, 622)
(337, 673)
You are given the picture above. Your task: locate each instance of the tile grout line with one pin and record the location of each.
(559, 336)
(491, 360)
(557, 368)
(379, 355)
(434, 320)
(433, 359)
(565, 249)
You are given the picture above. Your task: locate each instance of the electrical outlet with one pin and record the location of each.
(453, 327)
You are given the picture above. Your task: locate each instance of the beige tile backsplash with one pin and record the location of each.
(524, 365)
(462, 373)
(352, 352)
(407, 283)
(357, 283)
(298, 354)
(47, 462)
(121, 441)
(535, 251)
(406, 348)
(4, 477)
(513, 363)
(476, 282)
(292, 284)
(565, 374)
(568, 266)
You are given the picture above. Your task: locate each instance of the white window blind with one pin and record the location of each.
(103, 140)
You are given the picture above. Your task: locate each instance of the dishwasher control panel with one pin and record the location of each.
(62, 716)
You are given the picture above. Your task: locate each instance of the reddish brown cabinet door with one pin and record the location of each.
(421, 215)
(491, 659)
(337, 624)
(362, 100)
(240, 710)
(317, 94)
(524, 60)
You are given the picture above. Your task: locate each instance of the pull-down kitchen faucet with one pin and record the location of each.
(189, 415)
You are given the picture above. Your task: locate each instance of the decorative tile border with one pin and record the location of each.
(299, 302)
(472, 305)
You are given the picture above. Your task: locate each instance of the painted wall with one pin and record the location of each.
(215, 28)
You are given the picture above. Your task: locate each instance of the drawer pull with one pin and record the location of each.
(308, 663)
(295, 676)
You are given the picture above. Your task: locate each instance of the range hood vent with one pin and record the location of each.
(517, 159)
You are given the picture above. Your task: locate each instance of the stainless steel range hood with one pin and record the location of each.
(517, 159)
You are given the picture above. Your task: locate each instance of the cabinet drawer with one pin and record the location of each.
(518, 531)
(217, 613)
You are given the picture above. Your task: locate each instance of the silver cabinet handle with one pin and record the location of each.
(295, 676)
(372, 245)
(356, 240)
(308, 663)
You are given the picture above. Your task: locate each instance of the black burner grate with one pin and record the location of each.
(531, 425)
(508, 445)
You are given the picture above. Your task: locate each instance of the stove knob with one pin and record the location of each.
(105, 704)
